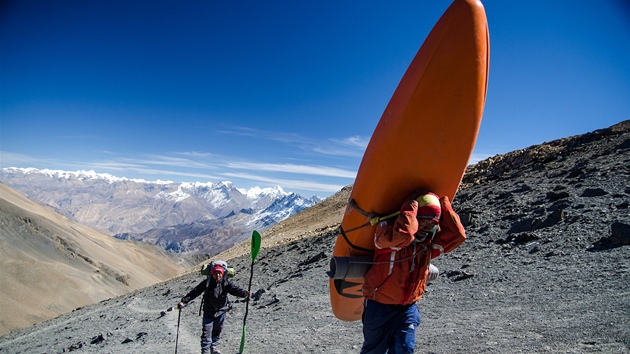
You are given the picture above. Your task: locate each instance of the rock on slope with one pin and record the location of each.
(545, 269)
(51, 265)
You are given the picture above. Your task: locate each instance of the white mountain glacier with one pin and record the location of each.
(186, 218)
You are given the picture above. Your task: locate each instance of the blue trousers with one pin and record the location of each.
(389, 328)
(211, 331)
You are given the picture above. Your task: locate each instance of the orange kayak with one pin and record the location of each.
(423, 140)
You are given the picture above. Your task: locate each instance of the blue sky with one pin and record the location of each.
(280, 92)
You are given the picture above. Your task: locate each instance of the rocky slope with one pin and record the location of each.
(545, 269)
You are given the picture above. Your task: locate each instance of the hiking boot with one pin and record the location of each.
(215, 351)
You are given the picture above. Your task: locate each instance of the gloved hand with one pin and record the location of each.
(434, 272)
(425, 236)
(180, 305)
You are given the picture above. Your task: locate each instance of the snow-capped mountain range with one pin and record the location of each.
(184, 217)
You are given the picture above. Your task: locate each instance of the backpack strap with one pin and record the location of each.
(373, 220)
(203, 297)
(345, 237)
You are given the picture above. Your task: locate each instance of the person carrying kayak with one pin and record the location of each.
(426, 227)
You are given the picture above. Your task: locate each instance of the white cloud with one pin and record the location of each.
(355, 141)
(173, 161)
(291, 168)
(139, 168)
(353, 146)
(196, 154)
(288, 183)
(337, 151)
(11, 159)
(279, 136)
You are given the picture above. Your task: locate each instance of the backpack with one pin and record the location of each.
(206, 269)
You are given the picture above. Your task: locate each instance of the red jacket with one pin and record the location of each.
(401, 266)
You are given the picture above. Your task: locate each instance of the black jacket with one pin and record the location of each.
(215, 298)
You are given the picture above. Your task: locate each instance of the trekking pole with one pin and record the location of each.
(255, 247)
(179, 316)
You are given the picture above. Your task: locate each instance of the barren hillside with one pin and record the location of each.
(51, 265)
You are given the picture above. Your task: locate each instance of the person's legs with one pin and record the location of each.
(206, 333)
(216, 331)
(404, 335)
(376, 327)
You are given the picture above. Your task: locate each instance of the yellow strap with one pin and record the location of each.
(375, 220)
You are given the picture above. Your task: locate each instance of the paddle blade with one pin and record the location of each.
(242, 341)
(255, 244)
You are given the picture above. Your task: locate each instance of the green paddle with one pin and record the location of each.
(254, 252)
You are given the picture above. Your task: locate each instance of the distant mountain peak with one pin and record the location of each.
(256, 192)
